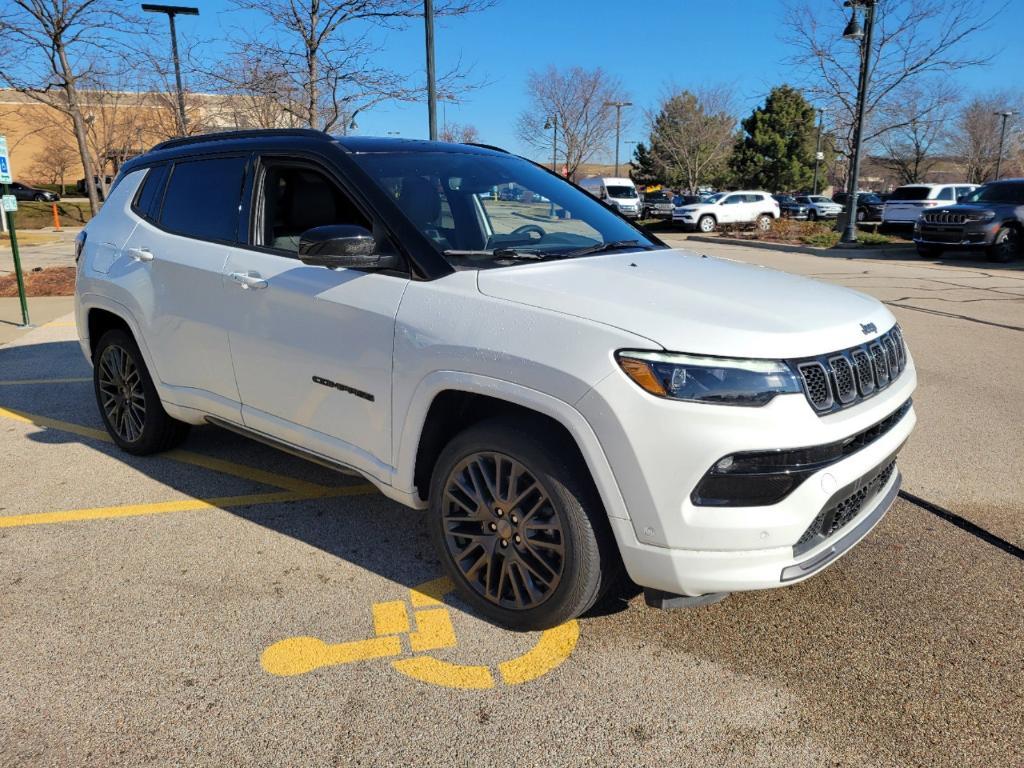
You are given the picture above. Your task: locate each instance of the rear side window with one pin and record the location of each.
(202, 198)
(147, 199)
(911, 193)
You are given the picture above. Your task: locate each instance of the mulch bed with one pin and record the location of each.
(52, 281)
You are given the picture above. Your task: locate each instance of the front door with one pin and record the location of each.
(731, 209)
(311, 346)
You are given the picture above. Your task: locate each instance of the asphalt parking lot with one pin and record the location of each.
(226, 604)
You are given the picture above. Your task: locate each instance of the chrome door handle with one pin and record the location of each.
(248, 280)
(141, 254)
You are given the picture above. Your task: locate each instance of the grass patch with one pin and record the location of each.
(39, 215)
(818, 234)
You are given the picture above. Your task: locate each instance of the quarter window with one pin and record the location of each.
(150, 194)
(946, 193)
(202, 198)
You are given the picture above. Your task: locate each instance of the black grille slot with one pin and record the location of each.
(838, 514)
(816, 383)
(844, 378)
(881, 365)
(845, 386)
(865, 373)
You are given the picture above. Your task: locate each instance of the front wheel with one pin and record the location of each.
(519, 527)
(128, 402)
(40, 198)
(813, 215)
(861, 215)
(706, 224)
(1005, 246)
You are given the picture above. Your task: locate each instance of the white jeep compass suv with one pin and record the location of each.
(563, 393)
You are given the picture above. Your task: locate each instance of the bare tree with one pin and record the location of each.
(459, 134)
(916, 42)
(54, 162)
(975, 141)
(912, 148)
(316, 58)
(575, 98)
(50, 47)
(692, 135)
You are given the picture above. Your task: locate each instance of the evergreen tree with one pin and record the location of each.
(776, 150)
(642, 169)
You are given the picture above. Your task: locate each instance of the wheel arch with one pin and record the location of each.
(448, 402)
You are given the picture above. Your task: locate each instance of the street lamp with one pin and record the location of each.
(618, 126)
(1002, 135)
(551, 124)
(428, 23)
(862, 37)
(172, 11)
(818, 157)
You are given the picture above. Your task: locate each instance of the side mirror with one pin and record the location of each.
(342, 246)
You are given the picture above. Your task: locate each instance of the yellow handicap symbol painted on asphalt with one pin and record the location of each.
(434, 631)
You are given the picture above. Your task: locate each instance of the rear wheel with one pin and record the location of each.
(519, 527)
(1006, 246)
(706, 224)
(763, 222)
(128, 401)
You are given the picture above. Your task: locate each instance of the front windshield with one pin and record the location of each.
(818, 199)
(1012, 193)
(627, 193)
(869, 198)
(477, 209)
(784, 199)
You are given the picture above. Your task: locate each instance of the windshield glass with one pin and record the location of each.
(911, 193)
(818, 199)
(869, 198)
(715, 198)
(622, 192)
(998, 193)
(784, 198)
(471, 205)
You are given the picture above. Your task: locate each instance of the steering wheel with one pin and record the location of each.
(527, 229)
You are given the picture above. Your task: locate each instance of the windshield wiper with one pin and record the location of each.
(499, 253)
(609, 246)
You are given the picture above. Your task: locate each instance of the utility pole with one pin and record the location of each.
(552, 125)
(618, 126)
(817, 150)
(863, 37)
(1002, 136)
(428, 22)
(172, 11)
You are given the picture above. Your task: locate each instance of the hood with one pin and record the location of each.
(686, 302)
(969, 208)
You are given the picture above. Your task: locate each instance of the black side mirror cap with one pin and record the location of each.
(347, 246)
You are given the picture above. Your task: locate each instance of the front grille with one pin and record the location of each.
(844, 378)
(943, 217)
(838, 514)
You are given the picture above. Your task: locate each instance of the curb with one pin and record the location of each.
(888, 252)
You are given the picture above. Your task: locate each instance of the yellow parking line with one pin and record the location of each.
(223, 466)
(182, 505)
(20, 382)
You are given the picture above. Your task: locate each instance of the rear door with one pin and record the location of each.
(311, 346)
(180, 246)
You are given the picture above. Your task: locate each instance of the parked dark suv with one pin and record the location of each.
(869, 205)
(990, 218)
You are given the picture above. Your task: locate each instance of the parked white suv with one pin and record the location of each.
(565, 394)
(819, 207)
(906, 204)
(742, 207)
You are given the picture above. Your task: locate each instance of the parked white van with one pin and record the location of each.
(620, 193)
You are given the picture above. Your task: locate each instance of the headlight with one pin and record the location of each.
(722, 380)
(981, 216)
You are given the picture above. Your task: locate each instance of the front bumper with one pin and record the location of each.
(659, 450)
(970, 235)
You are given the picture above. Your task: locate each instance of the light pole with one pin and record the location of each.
(854, 32)
(817, 150)
(172, 11)
(618, 126)
(1002, 136)
(428, 22)
(551, 124)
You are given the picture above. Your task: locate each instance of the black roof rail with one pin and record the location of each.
(485, 146)
(183, 141)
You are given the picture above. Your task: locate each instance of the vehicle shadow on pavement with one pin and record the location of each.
(363, 528)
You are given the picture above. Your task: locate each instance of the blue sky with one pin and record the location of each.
(662, 43)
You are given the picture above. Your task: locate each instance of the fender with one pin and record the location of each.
(562, 412)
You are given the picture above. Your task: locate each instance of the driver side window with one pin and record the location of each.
(295, 198)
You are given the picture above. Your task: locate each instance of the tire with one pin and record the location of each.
(545, 486)
(812, 215)
(1006, 245)
(763, 222)
(928, 251)
(861, 215)
(706, 224)
(137, 423)
(40, 198)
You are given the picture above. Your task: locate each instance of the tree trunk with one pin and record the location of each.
(79, 123)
